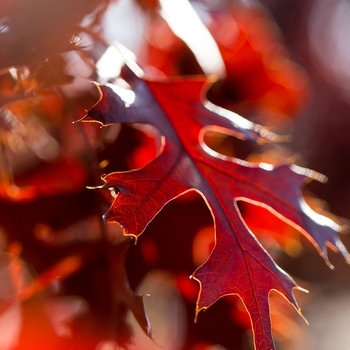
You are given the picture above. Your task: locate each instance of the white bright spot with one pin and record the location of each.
(186, 24)
(124, 23)
(109, 65)
(111, 62)
(128, 96)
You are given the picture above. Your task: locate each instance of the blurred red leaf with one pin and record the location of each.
(255, 58)
(166, 54)
(238, 264)
(63, 176)
(257, 61)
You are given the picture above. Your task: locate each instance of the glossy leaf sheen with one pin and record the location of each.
(238, 264)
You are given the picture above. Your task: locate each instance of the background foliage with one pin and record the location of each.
(63, 282)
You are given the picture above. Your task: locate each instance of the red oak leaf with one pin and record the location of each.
(238, 263)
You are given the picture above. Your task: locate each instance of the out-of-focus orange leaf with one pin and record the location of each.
(63, 176)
